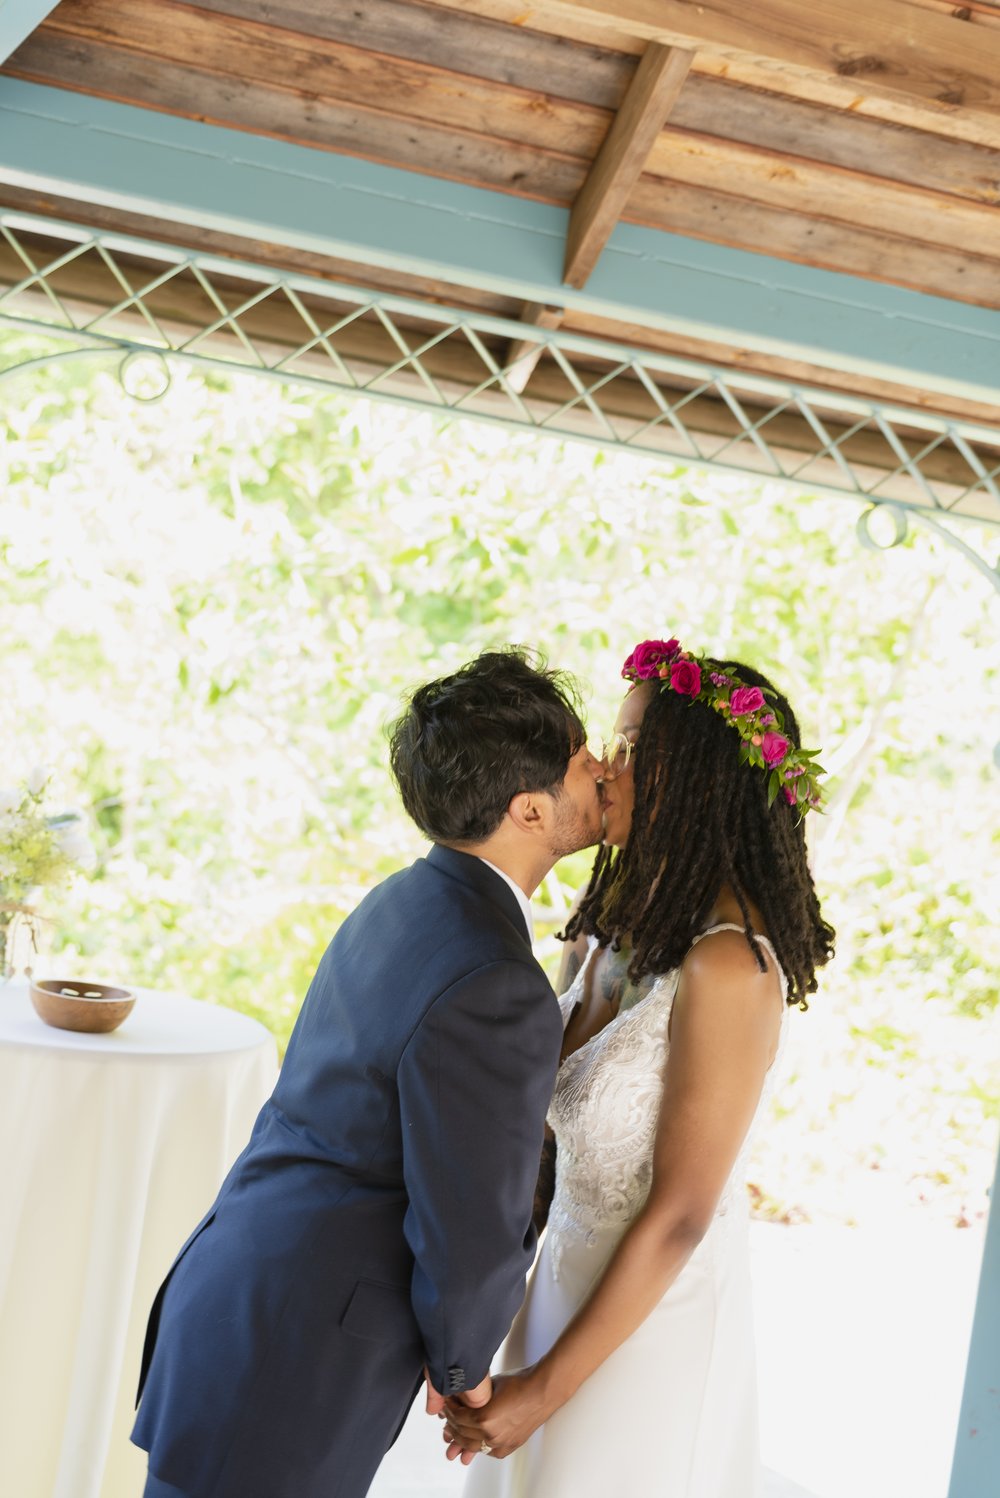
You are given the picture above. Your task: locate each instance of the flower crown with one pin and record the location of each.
(792, 771)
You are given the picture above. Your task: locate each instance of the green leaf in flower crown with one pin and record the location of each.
(773, 787)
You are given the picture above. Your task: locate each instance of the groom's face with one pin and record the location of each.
(577, 820)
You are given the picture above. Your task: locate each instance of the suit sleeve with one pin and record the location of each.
(475, 1082)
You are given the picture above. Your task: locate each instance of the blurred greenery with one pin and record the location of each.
(211, 606)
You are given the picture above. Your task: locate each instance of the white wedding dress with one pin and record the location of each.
(672, 1413)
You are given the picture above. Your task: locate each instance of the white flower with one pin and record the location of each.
(38, 778)
(11, 797)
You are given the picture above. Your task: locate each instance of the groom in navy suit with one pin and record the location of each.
(378, 1223)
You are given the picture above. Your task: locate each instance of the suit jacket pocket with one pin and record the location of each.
(380, 1313)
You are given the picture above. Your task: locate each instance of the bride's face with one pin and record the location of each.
(619, 790)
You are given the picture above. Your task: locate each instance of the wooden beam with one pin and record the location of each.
(18, 19)
(652, 94)
(524, 353)
(235, 182)
(890, 48)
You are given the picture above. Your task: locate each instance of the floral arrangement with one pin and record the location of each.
(791, 771)
(35, 850)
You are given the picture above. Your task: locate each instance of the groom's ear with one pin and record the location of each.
(527, 811)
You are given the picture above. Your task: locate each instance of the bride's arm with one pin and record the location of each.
(724, 1033)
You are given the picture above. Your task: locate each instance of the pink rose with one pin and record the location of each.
(746, 700)
(774, 748)
(646, 659)
(685, 678)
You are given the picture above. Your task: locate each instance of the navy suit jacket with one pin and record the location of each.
(380, 1216)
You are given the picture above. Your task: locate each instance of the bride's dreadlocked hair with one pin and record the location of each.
(701, 821)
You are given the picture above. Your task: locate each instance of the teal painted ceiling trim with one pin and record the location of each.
(192, 173)
(18, 19)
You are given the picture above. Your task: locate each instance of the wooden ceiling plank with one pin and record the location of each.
(780, 180)
(856, 250)
(769, 122)
(523, 354)
(454, 39)
(892, 47)
(652, 94)
(837, 137)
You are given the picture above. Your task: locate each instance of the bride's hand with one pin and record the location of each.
(515, 1411)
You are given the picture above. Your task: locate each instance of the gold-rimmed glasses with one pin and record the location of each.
(617, 755)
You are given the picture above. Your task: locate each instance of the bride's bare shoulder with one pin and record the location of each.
(725, 959)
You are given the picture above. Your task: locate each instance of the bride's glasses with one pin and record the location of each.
(617, 755)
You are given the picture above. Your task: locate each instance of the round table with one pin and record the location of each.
(111, 1149)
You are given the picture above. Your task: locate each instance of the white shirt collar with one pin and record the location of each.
(522, 898)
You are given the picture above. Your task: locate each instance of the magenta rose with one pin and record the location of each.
(685, 678)
(746, 700)
(774, 748)
(646, 659)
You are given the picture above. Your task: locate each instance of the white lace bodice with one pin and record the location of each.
(604, 1113)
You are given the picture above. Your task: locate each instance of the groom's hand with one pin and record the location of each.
(435, 1401)
(477, 1397)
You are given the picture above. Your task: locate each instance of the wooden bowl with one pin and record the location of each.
(93, 1007)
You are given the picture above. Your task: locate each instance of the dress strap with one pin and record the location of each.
(732, 926)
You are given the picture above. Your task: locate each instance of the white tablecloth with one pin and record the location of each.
(111, 1149)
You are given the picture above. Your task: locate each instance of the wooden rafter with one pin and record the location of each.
(524, 353)
(892, 48)
(658, 81)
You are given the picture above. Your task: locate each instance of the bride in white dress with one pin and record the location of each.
(630, 1370)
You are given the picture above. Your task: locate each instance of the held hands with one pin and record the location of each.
(472, 1398)
(515, 1411)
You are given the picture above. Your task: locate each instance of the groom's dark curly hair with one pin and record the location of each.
(701, 821)
(468, 743)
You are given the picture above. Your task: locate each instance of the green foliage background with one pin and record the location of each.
(210, 608)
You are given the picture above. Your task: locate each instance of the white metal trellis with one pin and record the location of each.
(113, 292)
